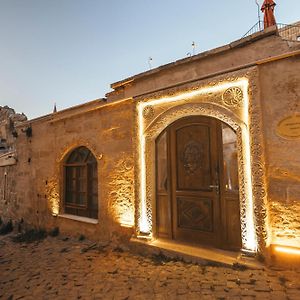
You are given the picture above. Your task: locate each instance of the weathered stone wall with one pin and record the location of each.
(9, 204)
(38, 177)
(280, 94)
(9, 199)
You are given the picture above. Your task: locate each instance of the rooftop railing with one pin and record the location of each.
(287, 32)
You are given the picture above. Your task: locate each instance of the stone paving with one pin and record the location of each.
(65, 268)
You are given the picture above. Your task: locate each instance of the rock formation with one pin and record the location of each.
(8, 120)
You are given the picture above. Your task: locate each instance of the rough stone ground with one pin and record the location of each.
(60, 268)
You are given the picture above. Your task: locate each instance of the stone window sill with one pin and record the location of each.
(78, 218)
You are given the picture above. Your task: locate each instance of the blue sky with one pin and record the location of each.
(70, 51)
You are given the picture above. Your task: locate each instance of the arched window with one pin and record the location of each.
(81, 184)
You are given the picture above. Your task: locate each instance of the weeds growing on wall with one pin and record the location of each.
(30, 236)
(6, 228)
(54, 232)
(161, 259)
(81, 237)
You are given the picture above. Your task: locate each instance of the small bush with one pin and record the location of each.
(54, 232)
(118, 249)
(6, 228)
(20, 225)
(282, 280)
(81, 237)
(239, 267)
(160, 259)
(30, 236)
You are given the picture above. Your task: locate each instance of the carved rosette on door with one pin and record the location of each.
(191, 157)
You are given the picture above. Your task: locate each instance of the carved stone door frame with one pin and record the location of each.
(232, 102)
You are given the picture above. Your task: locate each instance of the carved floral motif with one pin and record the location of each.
(233, 96)
(148, 112)
(191, 157)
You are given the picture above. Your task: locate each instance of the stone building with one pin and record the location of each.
(201, 153)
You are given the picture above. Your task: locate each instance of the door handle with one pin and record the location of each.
(215, 186)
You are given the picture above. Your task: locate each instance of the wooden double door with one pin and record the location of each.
(197, 183)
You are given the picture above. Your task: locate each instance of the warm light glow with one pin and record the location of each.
(126, 218)
(121, 201)
(53, 196)
(202, 91)
(287, 250)
(144, 225)
(249, 242)
(126, 225)
(148, 237)
(250, 239)
(55, 207)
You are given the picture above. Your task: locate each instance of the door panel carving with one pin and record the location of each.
(193, 157)
(195, 214)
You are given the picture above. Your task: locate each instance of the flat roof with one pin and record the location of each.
(238, 43)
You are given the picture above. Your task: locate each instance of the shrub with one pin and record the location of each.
(81, 237)
(160, 259)
(30, 236)
(54, 232)
(6, 228)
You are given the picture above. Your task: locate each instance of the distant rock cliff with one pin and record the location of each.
(8, 120)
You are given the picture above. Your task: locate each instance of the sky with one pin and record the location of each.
(69, 51)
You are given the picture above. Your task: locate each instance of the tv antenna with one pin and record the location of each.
(258, 14)
(150, 62)
(193, 47)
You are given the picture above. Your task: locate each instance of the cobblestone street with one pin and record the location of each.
(62, 268)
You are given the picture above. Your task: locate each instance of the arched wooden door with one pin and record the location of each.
(197, 183)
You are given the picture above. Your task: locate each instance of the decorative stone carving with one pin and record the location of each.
(121, 199)
(77, 143)
(233, 96)
(148, 112)
(258, 169)
(52, 194)
(289, 127)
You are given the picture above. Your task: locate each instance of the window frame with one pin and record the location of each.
(87, 209)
